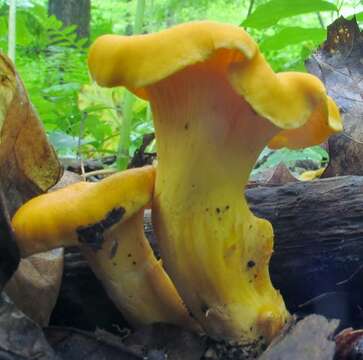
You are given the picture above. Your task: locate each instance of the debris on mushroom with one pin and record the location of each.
(106, 220)
(216, 104)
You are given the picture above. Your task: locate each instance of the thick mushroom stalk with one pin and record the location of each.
(216, 104)
(134, 279)
(106, 220)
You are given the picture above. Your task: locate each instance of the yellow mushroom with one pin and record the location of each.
(310, 175)
(216, 103)
(134, 278)
(106, 220)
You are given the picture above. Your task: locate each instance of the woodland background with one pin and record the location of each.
(85, 121)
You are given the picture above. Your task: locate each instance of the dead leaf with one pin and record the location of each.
(9, 253)
(349, 344)
(34, 288)
(28, 163)
(73, 344)
(28, 167)
(309, 339)
(170, 341)
(20, 337)
(338, 63)
(278, 175)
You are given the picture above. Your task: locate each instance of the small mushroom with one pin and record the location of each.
(216, 104)
(106, 220)
(81, 212)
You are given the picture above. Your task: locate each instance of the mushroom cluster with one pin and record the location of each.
(216, 104)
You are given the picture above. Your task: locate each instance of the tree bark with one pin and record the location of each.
(73, 12)
(318, 255)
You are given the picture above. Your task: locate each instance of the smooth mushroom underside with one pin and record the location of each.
(216, 104)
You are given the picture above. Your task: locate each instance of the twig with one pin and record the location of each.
(100, 172)
(80, 137)
(321, 21)
(319, 297)
(12, 30)
(357, 271)
(250, 7)
(128, 101)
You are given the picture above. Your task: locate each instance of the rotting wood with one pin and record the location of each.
(318, 252)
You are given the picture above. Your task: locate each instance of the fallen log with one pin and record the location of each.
(318, 258)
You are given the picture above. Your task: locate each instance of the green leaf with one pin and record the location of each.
(358, 16)
(63, 89)
(289, 157)
(270, 13)
(64, 143)
(291, 36)
(70, 29)
(82, 42)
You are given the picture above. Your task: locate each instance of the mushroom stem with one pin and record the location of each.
(135, 279)
(216, 251)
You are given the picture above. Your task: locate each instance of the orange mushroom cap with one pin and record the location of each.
(290, 100)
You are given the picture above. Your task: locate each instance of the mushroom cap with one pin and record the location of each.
(81, 212)
(141, 60)
(289, 100)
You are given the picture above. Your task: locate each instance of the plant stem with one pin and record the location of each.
(321, 21)
(250, 8)
(124, 143)
(80, 138)
(12, 30)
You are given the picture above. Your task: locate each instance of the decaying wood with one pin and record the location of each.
(318, 244)
(318, 256)
(82, 301)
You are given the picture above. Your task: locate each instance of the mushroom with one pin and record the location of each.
(216, 104)
(106, 220)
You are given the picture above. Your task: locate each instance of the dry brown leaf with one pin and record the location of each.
(277, 175)
(28, 164)
(34, 288)
(349, 344)
(338, 63)
(28, 167)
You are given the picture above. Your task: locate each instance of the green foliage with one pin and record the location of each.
(268, 158)
(81, 117)
(292, 35)
(271, 12)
